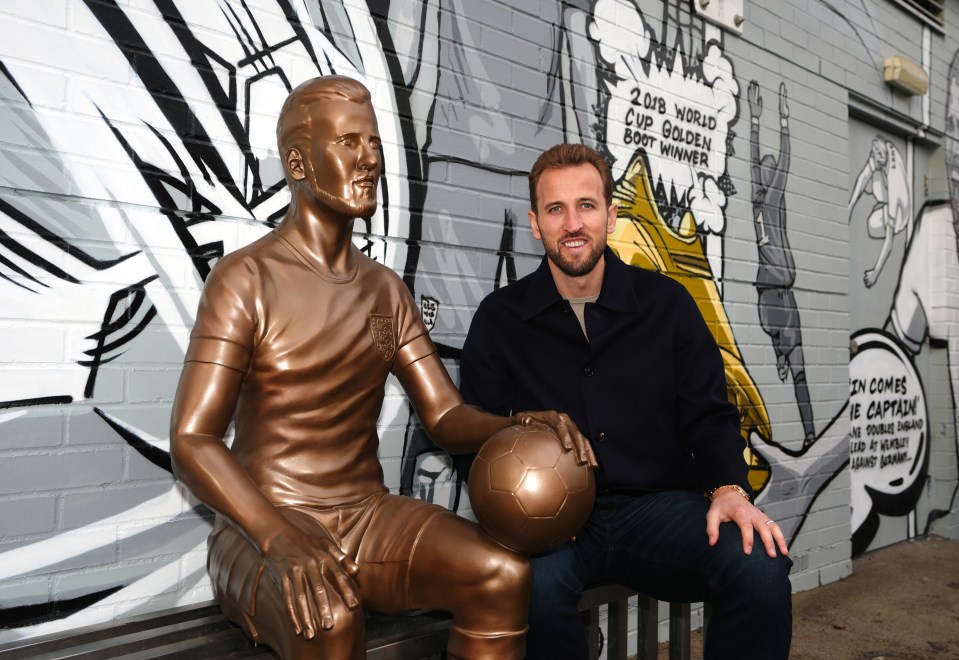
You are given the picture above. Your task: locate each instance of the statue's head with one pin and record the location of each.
(330, 144)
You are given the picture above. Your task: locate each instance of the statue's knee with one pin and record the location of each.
(346, 619)
(508, 576)
(346, 640)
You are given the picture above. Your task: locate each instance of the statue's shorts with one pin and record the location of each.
(411, 554)
(379, 532)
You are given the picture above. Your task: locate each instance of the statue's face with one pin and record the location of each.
(343, 166)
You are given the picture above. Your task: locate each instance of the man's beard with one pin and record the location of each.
(363, 208)
(575, 268)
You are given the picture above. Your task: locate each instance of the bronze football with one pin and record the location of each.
(527, 492)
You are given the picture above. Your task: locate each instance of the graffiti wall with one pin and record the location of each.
(138, 147)
(902, 257)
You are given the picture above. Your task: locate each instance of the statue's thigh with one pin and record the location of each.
(249, 597)
(386, 547)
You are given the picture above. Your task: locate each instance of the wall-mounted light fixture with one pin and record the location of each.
(905, 74)
(726, 14)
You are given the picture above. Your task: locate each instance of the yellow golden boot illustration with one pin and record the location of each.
(642, 238)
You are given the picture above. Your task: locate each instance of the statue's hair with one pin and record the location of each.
(294, 123)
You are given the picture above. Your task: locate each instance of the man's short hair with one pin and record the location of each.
(294, 122)
(570, 155)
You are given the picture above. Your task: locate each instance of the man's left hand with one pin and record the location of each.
(729, 506)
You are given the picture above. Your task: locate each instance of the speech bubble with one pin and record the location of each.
(675, 107)
(888, 437)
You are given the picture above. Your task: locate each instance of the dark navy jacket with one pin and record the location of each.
(648, 388)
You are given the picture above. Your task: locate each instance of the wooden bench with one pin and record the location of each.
(616, 598)
(200, 631)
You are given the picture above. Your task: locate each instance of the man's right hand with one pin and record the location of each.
(565, 429)
(312, 573)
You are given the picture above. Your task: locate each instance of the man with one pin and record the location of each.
(298, 332)
(627, 354)
(778, 312)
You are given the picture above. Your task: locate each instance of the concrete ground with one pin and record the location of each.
(900, 603)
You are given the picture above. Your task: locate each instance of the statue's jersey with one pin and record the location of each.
(316, 352)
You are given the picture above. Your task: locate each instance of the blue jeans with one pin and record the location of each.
(656, 544)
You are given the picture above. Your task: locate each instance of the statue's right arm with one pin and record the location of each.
(305, 568)
(202, 411)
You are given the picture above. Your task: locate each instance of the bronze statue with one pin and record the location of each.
(294, 339)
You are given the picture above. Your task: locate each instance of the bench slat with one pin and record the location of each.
(201, 632)
(221, 643)
(647, 628)
(188, 632)
(49, 645)
(407, 637)
(679, 624)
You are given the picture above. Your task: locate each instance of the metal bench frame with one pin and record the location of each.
(201, 631)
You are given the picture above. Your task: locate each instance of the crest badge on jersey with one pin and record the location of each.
(383, 337)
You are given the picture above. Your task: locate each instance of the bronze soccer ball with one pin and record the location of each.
(527, 492)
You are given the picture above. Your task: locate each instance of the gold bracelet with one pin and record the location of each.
(735, 487)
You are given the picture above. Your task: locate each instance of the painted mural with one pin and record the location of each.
(121, 185)
(889, 444)
(884, 179)
(900, 326)
(778, 312)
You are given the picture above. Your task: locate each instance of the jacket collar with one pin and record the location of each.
(616, 294)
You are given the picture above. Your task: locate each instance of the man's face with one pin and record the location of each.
(572, 219)
(343, 166)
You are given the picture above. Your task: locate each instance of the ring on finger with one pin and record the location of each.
(770, 522)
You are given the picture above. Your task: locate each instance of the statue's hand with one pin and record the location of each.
(313, 573)
(565, 429)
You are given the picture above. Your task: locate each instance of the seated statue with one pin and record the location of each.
(294, 338)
